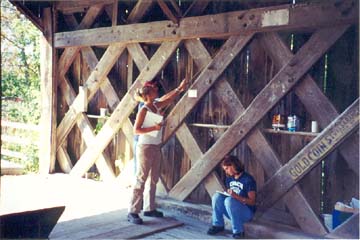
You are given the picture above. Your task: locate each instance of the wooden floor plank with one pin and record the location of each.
(132, 231)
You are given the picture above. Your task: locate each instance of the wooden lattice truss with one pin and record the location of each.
(328, 20)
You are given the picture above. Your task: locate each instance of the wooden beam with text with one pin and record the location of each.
(281, 83)
(327, 14)
(311, 155)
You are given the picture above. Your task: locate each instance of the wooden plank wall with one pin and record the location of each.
(247, 74)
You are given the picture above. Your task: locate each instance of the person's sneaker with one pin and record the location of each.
(214, 230)
(134, 218)
(153, 213)
(238, 235)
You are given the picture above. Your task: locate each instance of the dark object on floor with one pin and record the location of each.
(214, 230)
(238, 235)
(31, 224)
(134, 218)
(153, 213)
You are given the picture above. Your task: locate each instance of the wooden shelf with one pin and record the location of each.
(96, 116)
(265, 130)
(299, 133)
(205, 125)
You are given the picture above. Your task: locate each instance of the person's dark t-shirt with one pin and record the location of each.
(242, 186)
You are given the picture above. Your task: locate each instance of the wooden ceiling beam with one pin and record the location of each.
(314, 100)
(309, 157)
(38, 22)
(281, 83)
(278, 18)
(70, 7)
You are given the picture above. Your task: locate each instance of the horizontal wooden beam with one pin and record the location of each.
(311, 155)
(285, 17)
(69, 7)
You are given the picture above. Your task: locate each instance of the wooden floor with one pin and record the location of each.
(94, 210)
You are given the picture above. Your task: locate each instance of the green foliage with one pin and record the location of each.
(20, 77)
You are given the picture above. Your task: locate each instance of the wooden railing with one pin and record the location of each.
(15, 136)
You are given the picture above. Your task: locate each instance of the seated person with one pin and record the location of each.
(239, 206)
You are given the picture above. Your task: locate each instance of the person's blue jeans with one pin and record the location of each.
(237, 212)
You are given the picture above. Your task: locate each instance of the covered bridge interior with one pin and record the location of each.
(246, 61)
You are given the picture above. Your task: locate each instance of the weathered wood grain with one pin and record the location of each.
(282, 82)
(92, 85)
(220, 25)
(48, 86)
(302, 212)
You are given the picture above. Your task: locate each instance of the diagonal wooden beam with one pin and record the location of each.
(140, 9)
(69, 54)
(103, 163)
(124, 108)
(92, 84)
(196, 7)
(275, 18)
(295, 200)
(282, 82)
(315, 102)
(183, 134)
(112, 98)
(167, 11)
(205, 80)
(64, 160)
(311, 155)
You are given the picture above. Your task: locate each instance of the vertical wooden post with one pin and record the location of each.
(48, 97)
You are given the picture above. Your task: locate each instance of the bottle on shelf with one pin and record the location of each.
(293, 123)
